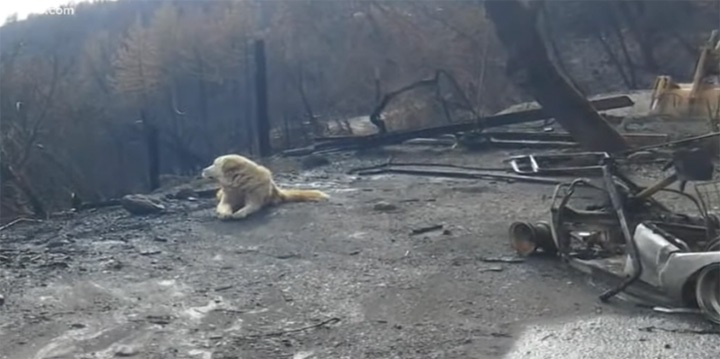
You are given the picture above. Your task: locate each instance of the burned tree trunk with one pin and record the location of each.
(530, 68)
(316, 126)
(152, 142)
(263, 119)
(9, 174)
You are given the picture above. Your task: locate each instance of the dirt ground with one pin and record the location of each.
(339, 279)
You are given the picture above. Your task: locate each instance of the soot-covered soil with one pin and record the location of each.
(338, 279)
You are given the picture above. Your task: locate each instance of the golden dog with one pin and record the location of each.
(246, 187)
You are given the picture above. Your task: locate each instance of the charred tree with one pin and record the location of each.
(263, 119)
(530, 67)
(9, 174)
(152, 141)
(248, 99)
(634, 13)
(316, 126)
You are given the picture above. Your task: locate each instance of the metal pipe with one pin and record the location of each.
(526, 237)
(668, 236)
(630, 246)
(657, 187)
(673, 143)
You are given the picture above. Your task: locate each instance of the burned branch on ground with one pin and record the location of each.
(331, 144)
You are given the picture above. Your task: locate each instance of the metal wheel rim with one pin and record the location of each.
(707, 292)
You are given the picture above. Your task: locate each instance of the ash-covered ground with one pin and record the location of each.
(337, 279)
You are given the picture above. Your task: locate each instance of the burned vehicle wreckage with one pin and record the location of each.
(609, 226)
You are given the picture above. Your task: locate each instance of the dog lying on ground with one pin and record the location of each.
(246, 187)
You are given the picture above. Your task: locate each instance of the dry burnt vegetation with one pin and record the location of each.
(75, 89)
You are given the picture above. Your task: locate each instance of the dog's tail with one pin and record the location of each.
(301, 195)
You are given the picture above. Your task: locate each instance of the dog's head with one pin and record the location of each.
(225, 169)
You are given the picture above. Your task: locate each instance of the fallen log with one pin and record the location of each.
(512, 118)
(330, 144)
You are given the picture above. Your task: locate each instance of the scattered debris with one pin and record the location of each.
(208, 193)
(677, 310)
(159, 319)
(493, 269)
(138, 204)
(324, 323)
(390, 163)
(673, 144)
(114, 264)
(652, 329)
(426, 229)
(314, 161)
(575, 164)
(545, 139)
(644, 156)
(384, 206)
(334, 144)
(431, 142)
(150, 252)
(303, 355)
(287, 256)
(417, 200)
(94, 205)
(184, 193)
(460, 174)
(125, 351)
(19, 220)
(696, 99)
(501, 259)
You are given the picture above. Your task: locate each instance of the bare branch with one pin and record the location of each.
(57, 73)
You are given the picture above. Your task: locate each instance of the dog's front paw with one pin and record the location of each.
(239, 214)
(223, 211)
(223, 214)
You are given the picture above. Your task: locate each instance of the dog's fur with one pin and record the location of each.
(246, 187)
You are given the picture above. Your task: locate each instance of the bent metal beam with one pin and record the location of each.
(529, 66)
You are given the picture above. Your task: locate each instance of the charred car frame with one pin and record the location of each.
(612, 226)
